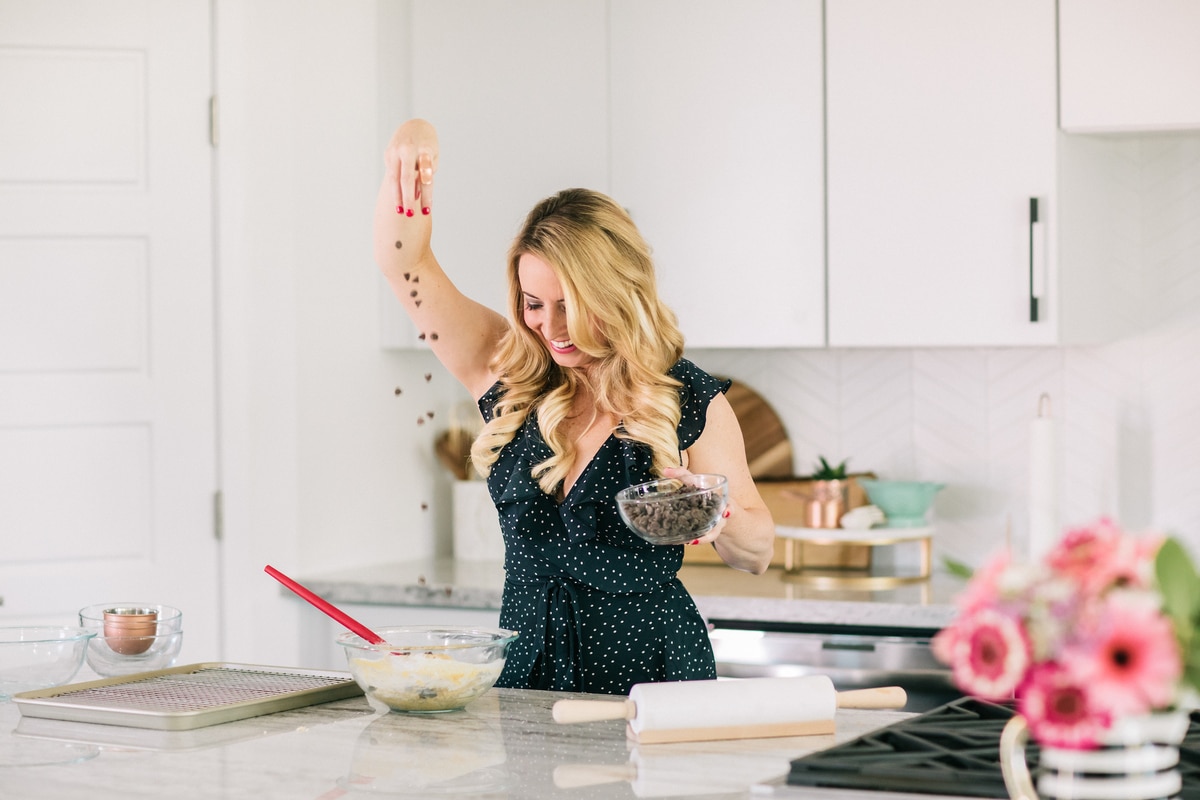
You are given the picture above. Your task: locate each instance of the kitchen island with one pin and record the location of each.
(505, 745)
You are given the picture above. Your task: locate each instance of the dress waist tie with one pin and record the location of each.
(558, 668)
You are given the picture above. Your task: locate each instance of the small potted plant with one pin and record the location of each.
(829, 499)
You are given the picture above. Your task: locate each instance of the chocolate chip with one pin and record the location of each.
(429, 414)
(413, 293)
(428, 377)
(420, 420)
(399, 244)
(421, 336)
(406, 275)
(416, 278)
(424, 506)
(417, 303)
(399, 391)
(433, 337)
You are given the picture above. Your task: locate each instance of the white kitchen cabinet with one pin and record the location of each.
(1129, 66)
(717, 154)
(519, 95)
(941, 127)
(942, 131)
(702, 118)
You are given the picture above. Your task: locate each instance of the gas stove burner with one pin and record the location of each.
(952, 750)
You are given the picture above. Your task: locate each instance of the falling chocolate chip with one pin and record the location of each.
(433, 337)
(406, 275)
(416, 278)
(417, 303)
(424, 506)
(428, 377)
(399, 244)
(413, 293)
(429, 414)
(420, 420)
(399, 391)
(421, 336)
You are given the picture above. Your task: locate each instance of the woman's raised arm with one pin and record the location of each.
(461, 332)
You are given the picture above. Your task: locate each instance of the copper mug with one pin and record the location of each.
(130, 631)
(827, 504)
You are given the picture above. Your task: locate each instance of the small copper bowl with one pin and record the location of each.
(130, 631)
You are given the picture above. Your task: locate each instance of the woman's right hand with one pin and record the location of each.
(409, 163)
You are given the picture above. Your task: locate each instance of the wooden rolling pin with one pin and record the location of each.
(750, 708)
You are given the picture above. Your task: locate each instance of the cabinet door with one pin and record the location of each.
(941, 127)
(519, 94)
(717, 154)
(1128, 66)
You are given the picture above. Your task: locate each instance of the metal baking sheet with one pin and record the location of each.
(188, 697)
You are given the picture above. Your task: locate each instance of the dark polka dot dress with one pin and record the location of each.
(598, 609)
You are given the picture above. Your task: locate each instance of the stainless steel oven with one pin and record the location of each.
(853, 656)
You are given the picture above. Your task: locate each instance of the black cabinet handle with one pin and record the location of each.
(1035, 253)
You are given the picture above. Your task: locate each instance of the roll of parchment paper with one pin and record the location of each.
(691, 711)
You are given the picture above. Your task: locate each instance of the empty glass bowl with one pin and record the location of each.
(132, 637)
(39, 656)
(674, 510)
(425, 668)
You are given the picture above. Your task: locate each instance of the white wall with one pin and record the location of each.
(323, 465)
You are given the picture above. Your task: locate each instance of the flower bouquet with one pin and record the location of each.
(1104, 627)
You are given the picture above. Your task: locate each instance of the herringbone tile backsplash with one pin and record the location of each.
(1128, 412)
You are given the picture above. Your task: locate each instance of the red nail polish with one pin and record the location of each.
(726, 514)
(399, 209)
(694, 541)
(408, 213)
(425, 210)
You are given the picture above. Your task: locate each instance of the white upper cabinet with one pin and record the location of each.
(717, 153)
(519, 95)
(941, 129)
(1129, 66)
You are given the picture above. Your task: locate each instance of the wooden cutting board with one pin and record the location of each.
(768, 449)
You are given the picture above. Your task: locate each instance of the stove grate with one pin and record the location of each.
(950, 750)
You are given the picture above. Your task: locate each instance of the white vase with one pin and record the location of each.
(1138, 759)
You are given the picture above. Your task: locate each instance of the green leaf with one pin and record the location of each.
(1191, 667)
(1179, 584)
(957, 568)
(826, 472)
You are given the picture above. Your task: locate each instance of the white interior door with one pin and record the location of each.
(107, 428)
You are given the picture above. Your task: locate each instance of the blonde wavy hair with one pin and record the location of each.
(614, 314)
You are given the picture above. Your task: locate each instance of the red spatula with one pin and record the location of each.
(347, 621)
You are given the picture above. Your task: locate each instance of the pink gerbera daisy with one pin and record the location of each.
(1060, 710)
(1090, 556)
(989, 653)
(1131, 659)
(984, 587)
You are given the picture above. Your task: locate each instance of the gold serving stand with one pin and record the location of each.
(859, 577)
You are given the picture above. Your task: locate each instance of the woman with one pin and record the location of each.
(584, 392)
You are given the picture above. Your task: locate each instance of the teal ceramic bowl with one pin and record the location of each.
(904, 503)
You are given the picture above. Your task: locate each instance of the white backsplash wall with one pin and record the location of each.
(1128, 412)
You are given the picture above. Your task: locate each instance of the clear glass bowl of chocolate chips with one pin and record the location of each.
(674, 510)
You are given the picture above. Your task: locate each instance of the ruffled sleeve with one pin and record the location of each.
(698, 390)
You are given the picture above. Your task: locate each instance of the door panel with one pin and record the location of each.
(107, 420)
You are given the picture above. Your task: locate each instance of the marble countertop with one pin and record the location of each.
(720, 593)
(503, 745)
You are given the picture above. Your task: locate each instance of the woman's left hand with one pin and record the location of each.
(711, 536)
